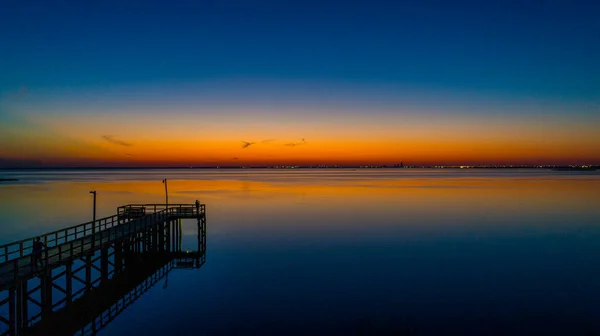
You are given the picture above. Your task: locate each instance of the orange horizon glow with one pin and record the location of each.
(196, 134)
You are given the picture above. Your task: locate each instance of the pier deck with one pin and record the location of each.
(89, 255)
(71, 243)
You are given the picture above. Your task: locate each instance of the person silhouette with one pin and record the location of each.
(38, 246)
(197, 206)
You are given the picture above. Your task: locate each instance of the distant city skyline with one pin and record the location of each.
(270, 83)
(32, 164)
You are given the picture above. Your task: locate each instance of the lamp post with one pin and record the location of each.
(94, 219)
(166, 195)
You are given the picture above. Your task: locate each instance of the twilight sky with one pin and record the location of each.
(124, 83)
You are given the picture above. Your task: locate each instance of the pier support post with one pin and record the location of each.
(12, 311)
(46, 292)
(19, 308)
(180, 236)
(202, 233)
(173, 235)
(154, 236)
(104, 263)
(142, 237)
(199, 225)
(145, 243)
(118, 256)
(161, 237)
(69, 282)
(88, 272)
(22, 307)
(127, 251)
(168, 235)
(148, 239)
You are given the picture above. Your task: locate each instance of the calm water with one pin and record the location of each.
(343, 251)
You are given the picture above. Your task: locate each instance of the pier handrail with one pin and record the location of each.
(173, 208)
(24, 247)
(58, 254)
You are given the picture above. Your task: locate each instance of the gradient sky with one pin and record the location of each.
(186, 83)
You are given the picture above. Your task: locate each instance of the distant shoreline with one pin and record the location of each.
(295, 167)
(8, 180)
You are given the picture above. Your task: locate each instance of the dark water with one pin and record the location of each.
(348, 252)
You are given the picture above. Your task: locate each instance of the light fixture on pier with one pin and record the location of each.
(94, 216)
(166, 195)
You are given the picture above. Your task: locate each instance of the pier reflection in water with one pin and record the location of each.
(83, 300)
(98, 307)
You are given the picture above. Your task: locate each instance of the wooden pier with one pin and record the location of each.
(93, 255)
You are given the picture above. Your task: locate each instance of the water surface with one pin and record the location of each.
(349, 251)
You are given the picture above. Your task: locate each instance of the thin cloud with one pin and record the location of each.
(129, 154)
(294, 144)
(235, 158)
(114, 141)
(247, 144)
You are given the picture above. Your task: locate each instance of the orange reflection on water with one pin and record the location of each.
(313, 204)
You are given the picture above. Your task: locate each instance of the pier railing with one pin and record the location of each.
(124, 214)
(65, 244)
(24, 247)
(139, 210)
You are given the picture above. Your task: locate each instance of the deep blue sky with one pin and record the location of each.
(523, 48)
(362, 82)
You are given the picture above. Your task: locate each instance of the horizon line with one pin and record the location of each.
(319, 166)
